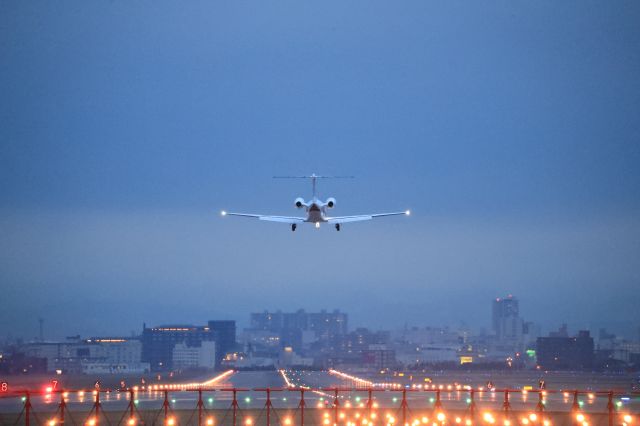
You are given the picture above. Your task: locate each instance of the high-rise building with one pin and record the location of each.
(224, 334)
(158, 343)
(506, 322)
(267, 321)
(328, 327)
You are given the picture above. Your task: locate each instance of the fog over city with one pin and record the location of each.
(509, 129)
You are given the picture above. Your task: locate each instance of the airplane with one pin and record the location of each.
(317, 210)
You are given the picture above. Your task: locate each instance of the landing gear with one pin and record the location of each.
(293, 227)
(337, 227)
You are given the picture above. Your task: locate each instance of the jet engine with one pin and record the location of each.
(331, 202)
(299, 202)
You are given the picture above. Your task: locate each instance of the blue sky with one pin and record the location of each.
(510, 129)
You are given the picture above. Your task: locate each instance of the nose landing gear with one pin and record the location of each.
(337, 227)
(293, 227)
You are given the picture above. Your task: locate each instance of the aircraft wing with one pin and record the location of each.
(359, 218)
(281, 219)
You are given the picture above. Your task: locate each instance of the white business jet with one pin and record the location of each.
(317, 210)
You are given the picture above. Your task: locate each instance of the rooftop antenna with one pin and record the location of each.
(314, 178)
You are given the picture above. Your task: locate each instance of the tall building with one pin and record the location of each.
(267, 321)
(327, 327)
(506, 323)
(224, 334)
(158, 343)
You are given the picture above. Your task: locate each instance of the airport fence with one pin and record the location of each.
(301, 406)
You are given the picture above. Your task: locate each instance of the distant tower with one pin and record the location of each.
(506, 322)
(41, 322)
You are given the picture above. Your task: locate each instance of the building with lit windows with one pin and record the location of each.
(158, 342)
(224, 334)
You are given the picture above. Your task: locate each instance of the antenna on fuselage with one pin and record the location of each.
(313, 178)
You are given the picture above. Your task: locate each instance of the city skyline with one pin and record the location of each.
(313, 340)
(623, 330)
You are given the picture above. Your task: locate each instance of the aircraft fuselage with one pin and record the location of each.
(316, 211)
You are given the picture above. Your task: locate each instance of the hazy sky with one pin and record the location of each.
(511, 129)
